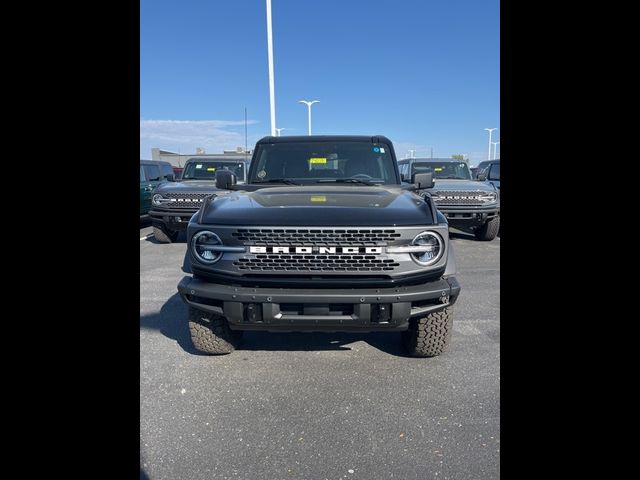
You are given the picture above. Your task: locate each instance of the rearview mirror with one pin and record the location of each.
(225, 179)
(422, 180)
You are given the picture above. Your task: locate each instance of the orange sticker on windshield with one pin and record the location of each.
(318, 198)
(438, 169)
(321, 161)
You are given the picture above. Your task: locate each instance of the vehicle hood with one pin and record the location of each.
(319, 205)
(188, 186)
(459, 185)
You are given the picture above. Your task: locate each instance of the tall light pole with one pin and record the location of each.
(412, 154)
(272, 95)
(489, 130)
(308, 104)
(495, 149)
(279, 130)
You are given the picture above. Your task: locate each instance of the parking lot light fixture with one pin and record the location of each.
(272, 96)
(489, 130)
(308, 104)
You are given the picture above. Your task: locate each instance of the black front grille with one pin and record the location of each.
(313, 237)
(315, 263)
(459, 197)
(185, 200)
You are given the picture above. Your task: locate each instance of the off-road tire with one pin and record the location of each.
(210, 333)
(164, 236)
(429, 336)
(489, 230)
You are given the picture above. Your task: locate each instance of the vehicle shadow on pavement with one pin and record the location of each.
(461, 234)
(171, 321)
(182, 238)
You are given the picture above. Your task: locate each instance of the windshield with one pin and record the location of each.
(318, 162)
(454, 170)
(206, 170)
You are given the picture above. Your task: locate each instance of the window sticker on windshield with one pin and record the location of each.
(381, 150)
(318, 160)
(199, 165)
(318, 198)
(376, 149)
(438, 169)
(262, 174)
(211, 169)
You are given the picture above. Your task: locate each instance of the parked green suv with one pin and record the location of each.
(152, 174)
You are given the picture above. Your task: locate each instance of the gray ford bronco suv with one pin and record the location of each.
(322, 237)
(173, 204)
(467, 204)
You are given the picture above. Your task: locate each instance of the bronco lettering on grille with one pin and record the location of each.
(318, 250)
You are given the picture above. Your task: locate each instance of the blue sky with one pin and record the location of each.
(425, 73)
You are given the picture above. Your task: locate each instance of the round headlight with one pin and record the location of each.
(433, 251)
(488, 197)
(203, 247)
(157, 199)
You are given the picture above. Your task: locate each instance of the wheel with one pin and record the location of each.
(210, 333)
(489, 230)
(429, 336)
(164, 236)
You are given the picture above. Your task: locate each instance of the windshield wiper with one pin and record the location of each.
(278, 180)
(452, 177)
(347, 180)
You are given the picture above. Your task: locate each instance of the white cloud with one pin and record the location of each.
(187, 135)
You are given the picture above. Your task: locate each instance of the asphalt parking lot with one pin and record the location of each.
(319, 405)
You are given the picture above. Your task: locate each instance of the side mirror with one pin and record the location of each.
(482, 177)
(225, 179)
(423, 180)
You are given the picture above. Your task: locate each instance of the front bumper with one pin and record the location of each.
(468, 214)
(357, 309)
(174, 219)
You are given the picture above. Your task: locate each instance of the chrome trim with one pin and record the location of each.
(410, 249)
(222, 248)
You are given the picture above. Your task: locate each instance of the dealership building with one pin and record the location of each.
(179, 159)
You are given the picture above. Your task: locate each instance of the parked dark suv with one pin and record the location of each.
(491, 173)
(322, 237)
(467, 204)
(152, 174)
(174, 204)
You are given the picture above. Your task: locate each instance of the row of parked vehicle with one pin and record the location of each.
(322, 233)
(469, 199)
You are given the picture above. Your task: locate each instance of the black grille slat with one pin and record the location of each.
(356, 238)
(462, 197)
(185, 200)
(268, 262)
(316, 262)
